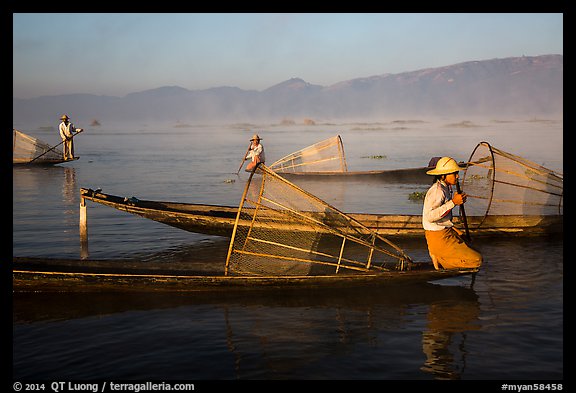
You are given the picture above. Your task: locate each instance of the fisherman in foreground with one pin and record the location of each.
(446, 244)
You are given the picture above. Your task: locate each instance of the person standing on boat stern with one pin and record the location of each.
(67, 131)
(255, 153)
(446, 245)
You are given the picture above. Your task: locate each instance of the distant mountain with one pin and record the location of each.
(515, 86)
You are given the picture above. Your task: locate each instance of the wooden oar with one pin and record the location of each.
(54, 147)
(244, 158)
(463, 212)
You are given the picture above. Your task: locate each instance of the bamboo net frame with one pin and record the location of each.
(25, 148)
(281, 229)
(501, 183)
(324, 156)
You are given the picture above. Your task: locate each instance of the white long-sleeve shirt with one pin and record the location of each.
(438, 205)
(256, 151)
(66, 130)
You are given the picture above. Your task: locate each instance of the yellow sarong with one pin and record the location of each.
(451, 251)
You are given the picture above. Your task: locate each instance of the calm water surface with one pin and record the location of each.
(507, 325)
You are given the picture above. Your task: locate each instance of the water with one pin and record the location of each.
(507, 325)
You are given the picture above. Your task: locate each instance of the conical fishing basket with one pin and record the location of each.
(500, 183)
(26, 148)
(283, 230)
(324, 156)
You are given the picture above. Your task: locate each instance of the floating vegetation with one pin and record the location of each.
(377, 157)
(368, 128)
(408, 121)
(463, 124)
(536, 120)
(229, 181)
(416, 196)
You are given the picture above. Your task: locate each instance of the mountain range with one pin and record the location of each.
(514, 86)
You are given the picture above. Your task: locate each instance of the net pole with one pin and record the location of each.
(256, 210)
(238, 219)
(340, 256)
(341, 150)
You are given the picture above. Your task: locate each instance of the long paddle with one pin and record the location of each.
(244, 158)
(463, 212)
(55, 146)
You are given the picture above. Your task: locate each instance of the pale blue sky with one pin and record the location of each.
(117, 54)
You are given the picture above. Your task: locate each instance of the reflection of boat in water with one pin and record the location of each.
(260, 329)
(35, 306)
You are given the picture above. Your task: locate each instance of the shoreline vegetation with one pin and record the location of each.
(392, 125)
(371, 126)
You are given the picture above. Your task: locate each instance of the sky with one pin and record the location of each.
(117, 54)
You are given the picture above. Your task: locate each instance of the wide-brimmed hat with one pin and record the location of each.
(64, 117)
(256, 137)
(444, 166)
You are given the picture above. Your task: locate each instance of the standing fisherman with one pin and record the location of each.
(67, 131)
(446, 244)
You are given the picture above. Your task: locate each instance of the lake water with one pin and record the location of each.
(507, 325)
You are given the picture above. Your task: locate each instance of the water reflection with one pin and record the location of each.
(69, 188)
(443, 341)
(265, 334)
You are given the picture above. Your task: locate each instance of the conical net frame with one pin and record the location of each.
(283, 230)
(501, 183)
(324, 156)
(26, 148)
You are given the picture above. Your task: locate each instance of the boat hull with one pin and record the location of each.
(41, 275)
(404, 176)
(41, 162)
(219, 220)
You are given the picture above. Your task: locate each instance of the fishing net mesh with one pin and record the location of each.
(500, 183)
(26, 148)
(324, 156)
(283, 230)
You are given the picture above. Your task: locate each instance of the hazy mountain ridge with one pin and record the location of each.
(515, 86)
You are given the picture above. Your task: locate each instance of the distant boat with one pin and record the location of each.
(326, 160)
(27, 150)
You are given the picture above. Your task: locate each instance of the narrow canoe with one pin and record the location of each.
(41, 161)
(60, 275)
(404, 175)
(219, 220)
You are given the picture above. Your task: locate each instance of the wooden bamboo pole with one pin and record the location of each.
(83, 230)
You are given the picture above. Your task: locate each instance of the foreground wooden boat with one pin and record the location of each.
(219, 220)
(61, 275)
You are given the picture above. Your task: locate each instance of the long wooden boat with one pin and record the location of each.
(219, 220)
(61, 275)
(405, 175)
(41, 161)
